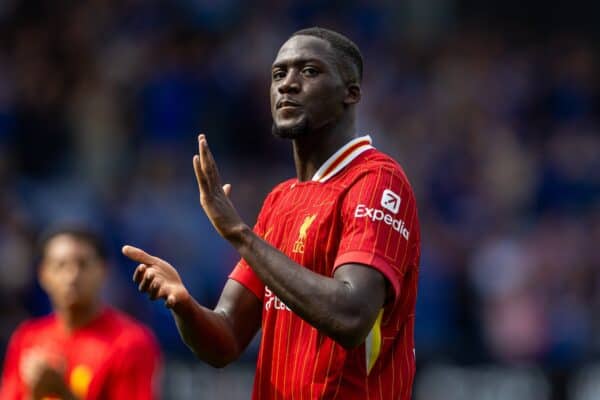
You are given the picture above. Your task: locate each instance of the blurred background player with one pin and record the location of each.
(329, 271)
(84, 349)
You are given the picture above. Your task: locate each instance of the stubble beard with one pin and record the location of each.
(296, 131)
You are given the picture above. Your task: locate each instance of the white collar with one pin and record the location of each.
(342, 157)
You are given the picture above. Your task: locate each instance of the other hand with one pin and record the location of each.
(156, 277)
(42, 378)
(214, 198)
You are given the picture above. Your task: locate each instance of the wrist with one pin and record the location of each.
(239, 235)
(183, 301)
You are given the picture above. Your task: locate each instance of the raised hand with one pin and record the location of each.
(42, 376)
(156, 277)
(214, 198)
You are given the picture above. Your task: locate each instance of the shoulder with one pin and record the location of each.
(374, 164)
(34, 326)
(281, 187)
(276, 192)
(378, 158)
(31, 331)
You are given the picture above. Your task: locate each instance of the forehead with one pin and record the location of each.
(67, 245)
(301, 48)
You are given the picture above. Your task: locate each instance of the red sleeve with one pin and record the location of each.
(243, 274)
(136, 368)
(380, 227)
(11, 386)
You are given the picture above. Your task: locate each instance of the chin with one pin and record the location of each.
(72, 305)
(75, 302)
(291, 131)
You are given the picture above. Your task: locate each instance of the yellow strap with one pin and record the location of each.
(373, 343)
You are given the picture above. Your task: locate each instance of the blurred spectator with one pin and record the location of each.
(84, 349)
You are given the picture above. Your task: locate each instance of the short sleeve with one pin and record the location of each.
(243, 274)
(379, 224)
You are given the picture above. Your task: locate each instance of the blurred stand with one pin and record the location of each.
(492, 108)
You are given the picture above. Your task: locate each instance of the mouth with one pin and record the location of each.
(287, 103)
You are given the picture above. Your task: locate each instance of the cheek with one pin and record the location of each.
(272, 97)
(52, 283)
(96, 281)
(326, 103)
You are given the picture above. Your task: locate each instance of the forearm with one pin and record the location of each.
(324, 302)
(206, 332)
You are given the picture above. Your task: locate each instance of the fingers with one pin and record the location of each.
(206, 160)
(205, 167)
(146, 280)
(32, 365)
(227, 189)
(138, 274)
(139, 255)
(200, 178)
(154, 290)
(170, 302)
(155, 277)
(149, 281)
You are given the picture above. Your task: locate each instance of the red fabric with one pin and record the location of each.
(122, 356)
(295, 360)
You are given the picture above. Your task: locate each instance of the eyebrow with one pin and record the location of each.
(297, 61)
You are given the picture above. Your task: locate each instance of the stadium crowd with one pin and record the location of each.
(101, 103)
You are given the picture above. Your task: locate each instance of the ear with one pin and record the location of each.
(353, 94)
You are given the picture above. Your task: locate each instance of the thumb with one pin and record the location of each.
(227, 189)
(170, 302)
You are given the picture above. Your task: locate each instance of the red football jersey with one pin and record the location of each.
(111, 358)
(359, 208)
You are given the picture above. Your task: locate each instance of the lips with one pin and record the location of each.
(287, 103)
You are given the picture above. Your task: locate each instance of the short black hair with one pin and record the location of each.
(349, 56)
(87, 235)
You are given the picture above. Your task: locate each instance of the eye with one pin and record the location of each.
(310, 71)
(278, 74)
(56, 266)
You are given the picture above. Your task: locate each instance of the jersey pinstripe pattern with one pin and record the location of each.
(363, 212)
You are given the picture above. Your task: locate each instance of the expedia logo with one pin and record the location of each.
(390, 201)
(375, 214)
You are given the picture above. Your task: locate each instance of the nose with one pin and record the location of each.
(290, 83)
(72, 273)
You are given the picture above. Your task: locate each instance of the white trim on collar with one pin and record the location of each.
(342, 157)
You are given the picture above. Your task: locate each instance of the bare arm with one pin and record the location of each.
(220, 336)
(216, 336)
(343, 307)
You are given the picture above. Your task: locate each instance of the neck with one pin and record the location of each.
(74, 318)
(312, 150)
